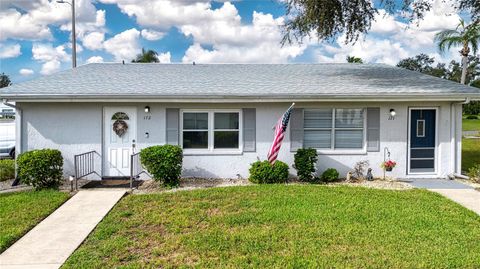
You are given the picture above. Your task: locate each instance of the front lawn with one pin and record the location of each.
(21, 211)
(471, 125)
(470, 153)
(284, 226)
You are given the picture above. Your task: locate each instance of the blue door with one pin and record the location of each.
(422, 140)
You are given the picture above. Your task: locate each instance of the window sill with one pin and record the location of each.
(210, 152)
(342, 152)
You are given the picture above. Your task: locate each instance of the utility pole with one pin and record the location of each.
(74, 37)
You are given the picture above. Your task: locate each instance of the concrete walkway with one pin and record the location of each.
(52, 241)
(454, 190)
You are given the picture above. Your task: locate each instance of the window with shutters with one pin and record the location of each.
(334, 129)
(211, 131)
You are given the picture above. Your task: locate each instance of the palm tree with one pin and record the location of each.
(464, 35)
(147, 56)
(354, 60)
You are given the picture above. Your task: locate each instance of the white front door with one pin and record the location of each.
(120, 129)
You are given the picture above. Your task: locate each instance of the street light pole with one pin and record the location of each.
(74, 38)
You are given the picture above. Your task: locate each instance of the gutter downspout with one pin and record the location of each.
(18, 135)
(455, 149)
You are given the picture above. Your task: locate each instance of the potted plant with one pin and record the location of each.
(388, 165)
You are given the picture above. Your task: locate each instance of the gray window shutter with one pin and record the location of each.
(296, 129)
(249, 130)
(373, 129)
(173, 121)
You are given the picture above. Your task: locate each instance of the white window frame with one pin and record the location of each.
(332, 149)
(210, 150)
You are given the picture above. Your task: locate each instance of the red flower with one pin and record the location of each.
(388, 164)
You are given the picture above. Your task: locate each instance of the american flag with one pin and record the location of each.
(280, 129)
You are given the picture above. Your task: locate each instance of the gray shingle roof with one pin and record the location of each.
(276, 81)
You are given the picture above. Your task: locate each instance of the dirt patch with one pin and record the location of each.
(150, 186)
(378, 184)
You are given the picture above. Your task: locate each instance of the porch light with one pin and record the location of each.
(147, 109)
(392, 114)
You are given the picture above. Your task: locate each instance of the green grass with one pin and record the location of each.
(471, 125)
(284, 226)
(470, 153)
(21, 211)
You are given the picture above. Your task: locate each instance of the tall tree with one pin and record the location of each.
(455, 70)
(424, 64)
(4, 80)
(147, 56)
(326, 19)
(465, 36)
(354, 60)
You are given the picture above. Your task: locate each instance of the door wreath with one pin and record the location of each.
(120, 126)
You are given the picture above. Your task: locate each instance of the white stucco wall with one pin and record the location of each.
(77, 127)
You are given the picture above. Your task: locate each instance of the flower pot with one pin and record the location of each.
(388, 169)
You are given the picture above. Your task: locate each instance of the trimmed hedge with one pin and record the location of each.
(305, 161)
(265, 173)
(472, 117)
(7, 169)
(41, 169)
(164, 163)
(330, 175)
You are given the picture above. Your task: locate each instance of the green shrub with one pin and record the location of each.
(330, 175)
(41, 169)
(7, 169)
(305, 161)
(164, 163)
(264, 172)
(474, 173)
(472, 117)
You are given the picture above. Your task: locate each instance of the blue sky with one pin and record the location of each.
(35, 35)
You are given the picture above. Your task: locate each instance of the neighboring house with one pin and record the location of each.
(6, 112)
(222, 115)
(7, 132)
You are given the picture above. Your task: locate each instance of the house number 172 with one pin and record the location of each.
(147, 117)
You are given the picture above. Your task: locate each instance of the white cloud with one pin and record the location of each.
(17, 26)
(165, 58)
(152, 35)
(9, 51)
(163, 14)
(93, 40)
(95, 59)
(234, 42)
(124, 46)
(50, 56)
(370, 50)
(26, 72)
(36, 16)
(220, 28)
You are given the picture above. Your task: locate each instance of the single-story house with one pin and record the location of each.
(222, 115)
